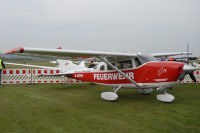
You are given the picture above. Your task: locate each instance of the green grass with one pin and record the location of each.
(79, 108)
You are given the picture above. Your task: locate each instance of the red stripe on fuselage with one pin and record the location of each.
(151, 72)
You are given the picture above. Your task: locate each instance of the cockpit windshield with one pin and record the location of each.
(146, 58)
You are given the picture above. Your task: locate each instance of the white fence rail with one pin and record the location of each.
(28, 76)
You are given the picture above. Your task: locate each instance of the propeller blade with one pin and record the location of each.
(193, 77)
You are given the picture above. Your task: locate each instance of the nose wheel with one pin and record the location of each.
(110, 96)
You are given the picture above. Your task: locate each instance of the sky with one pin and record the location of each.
(147, 26)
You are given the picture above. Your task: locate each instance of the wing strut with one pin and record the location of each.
(123, 74)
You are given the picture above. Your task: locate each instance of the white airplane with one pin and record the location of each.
(65, 66)
(143, 72)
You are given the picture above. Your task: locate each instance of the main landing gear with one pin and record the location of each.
(165, 97)
(111, 96)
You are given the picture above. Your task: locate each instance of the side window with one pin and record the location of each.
(119, 66)
(124, 64)
(137, 62)
(95, 68)
(102, 68)
(110, 68)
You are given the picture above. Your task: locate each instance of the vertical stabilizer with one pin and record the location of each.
(65, 65)
(69, 66)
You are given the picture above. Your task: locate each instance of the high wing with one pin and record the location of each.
(71, 53)
(85, 54)
(157, 55)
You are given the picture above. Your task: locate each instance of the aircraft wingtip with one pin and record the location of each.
(15, 50)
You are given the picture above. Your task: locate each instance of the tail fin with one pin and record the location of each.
(69, 66)
(65, 65)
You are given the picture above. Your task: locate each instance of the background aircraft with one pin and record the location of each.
(65, 66)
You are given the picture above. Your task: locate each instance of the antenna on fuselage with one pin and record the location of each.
(187, 53)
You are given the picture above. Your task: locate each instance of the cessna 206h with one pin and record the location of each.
(143, 72)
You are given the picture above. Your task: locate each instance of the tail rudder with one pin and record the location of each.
(65, 65)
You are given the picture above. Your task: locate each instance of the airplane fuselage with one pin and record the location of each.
(153, 73)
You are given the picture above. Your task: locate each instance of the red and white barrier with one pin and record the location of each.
(27, 76)
(196, 73)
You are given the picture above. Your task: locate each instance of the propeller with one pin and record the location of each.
(188, 69)
(193, 77)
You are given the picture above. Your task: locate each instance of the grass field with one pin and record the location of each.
(79, 108)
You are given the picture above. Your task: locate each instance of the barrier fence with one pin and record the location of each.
(28, 76)
(196, 73)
